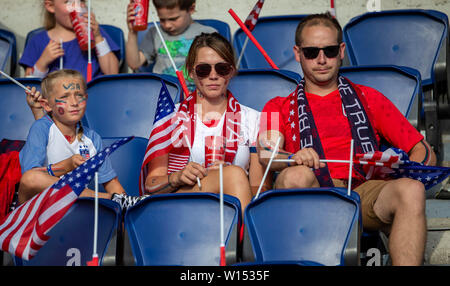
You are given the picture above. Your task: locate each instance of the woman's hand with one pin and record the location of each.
(189, 175)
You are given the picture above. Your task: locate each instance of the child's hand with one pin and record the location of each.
(94, 25)
(77, 160)
(131, 15)
(51, 52)
(34, 98)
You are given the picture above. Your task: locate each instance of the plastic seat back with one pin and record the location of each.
(8, 50)
(71, 240)
(125, 104)
(401, 85)
(276, 34)
(182, 229)
(412, 38)
(254, 88)
(317, 225)
(16, 117)
(126, 162)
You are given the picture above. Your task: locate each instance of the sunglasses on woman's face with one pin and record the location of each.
(312, 52)
(222, 69)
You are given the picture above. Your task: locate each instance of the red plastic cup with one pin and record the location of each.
(79, 26)
(141, 17)
(214, 150)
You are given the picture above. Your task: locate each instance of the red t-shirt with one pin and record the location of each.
(333, 126)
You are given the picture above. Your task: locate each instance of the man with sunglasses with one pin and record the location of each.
(319, 120)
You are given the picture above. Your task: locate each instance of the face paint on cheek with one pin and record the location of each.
(60, 110)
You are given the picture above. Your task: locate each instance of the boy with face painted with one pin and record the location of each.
(178, 30)
(57, 143)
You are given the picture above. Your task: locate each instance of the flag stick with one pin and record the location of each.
(222, 240)
(179, 73)
(94, 261)
(61, 57)
(332, 9)
(89, 66)
(275, 151)
(249, 34)
(192, 159)
(15, 81)
(349, 187)
(372, 163)
(242, 53)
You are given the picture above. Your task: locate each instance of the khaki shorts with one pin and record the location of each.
(368, 193)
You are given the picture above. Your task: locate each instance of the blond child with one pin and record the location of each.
(57, 143)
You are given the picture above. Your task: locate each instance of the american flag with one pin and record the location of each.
(24, 231)
(397, 165)
(252, 18)
(160, 140)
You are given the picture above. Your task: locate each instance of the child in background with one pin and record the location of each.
(178, 30)
(57, 143)
(42, 52)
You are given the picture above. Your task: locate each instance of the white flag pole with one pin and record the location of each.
(222, 239)
(349, 187)
(242, 53)
(275, 151)
(15, 81)
(192, 158)
(61, 64)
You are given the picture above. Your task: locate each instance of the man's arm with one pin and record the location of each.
(423, 153)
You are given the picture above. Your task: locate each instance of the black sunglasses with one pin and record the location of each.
(329, 51)
(222, 69)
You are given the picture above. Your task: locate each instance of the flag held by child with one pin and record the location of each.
(24, 231)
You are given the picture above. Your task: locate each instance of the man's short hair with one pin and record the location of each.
(171, 4)
(324, 19)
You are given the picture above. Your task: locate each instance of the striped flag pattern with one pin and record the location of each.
(395, 164)
(160, 140)
(252, 18)
(24, 231)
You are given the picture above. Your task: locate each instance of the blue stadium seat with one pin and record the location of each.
(126, 161)
(321, 226)
(114, 32)
(254, 88)
(71, 240)
(125, 104)
(276, 34)
(412, 38)
(8, 52)
(118, 37)
(222, 27)
(182, 229)
(401, 85)
(16, 117)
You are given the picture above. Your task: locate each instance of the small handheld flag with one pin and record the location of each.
(24, 231)
(250, 23)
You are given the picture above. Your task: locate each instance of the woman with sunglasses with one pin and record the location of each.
(211, 110)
